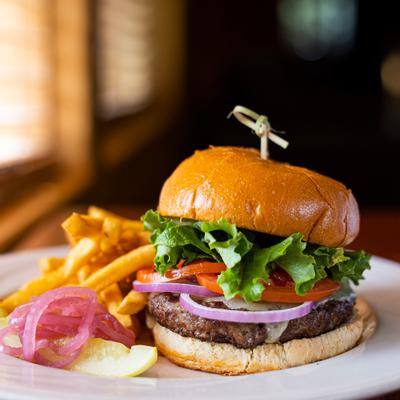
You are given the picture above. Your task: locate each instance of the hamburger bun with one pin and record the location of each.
(262, 195)
(229, 360)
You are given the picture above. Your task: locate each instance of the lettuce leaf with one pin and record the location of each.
(226, 240)
(248, 264)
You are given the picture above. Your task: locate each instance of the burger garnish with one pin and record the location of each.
(252, 272)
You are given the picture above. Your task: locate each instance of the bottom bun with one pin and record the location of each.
(226, 359)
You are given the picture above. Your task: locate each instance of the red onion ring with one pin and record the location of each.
(252, 317)
(85, 330)
(195, 290)
(40, 306)
(69, 313)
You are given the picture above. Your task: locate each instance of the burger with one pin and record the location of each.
(251, 272)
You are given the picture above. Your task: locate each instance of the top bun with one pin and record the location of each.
(262, 195)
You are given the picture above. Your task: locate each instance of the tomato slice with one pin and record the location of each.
(210, 282)
(280, 294)
(286, 294)
(148, 275)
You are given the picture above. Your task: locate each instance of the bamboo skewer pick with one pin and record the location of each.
(261, 127)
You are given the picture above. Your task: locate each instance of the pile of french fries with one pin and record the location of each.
(106, 251)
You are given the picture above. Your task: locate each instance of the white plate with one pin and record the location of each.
(369, 369)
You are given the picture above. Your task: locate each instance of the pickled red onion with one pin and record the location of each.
(61, 320)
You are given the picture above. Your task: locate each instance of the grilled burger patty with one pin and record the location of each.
(166, 310)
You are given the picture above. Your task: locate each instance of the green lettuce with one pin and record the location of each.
(249, 264)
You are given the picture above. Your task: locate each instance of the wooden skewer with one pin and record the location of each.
(260, 126)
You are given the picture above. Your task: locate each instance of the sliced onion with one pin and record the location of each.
(55, 326)
(109, 328)
(252, 317)
(39, 307)
(195, 290)
(239, 304)
(85, 330)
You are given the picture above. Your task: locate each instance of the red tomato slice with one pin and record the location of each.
(279, 293)
(148, 275)
(210, 282)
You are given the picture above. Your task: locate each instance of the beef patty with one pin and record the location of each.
(167, 311)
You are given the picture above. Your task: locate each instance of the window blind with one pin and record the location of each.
(125, 55)
(26, 74)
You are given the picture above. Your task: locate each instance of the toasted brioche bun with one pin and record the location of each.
(262, 195)
(230, 360)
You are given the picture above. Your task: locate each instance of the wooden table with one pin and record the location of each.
(379, 234)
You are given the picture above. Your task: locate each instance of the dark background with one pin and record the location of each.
(313, 67)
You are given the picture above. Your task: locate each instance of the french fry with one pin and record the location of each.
(100, 259)
(111, 234)
(105, 251)
(136, 226)
(79, 255)
(132, 303)
(33, 288)
(143, 238)
(129, 235)
(112, 230)
(112, 297)
(50, 264)
(129, 240)
(83, 273)
(78, 226)
(120, 268)
(106, 247)
(100, 213)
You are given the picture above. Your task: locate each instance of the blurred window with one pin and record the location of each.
(45, 108)
(138, 66)
(125, 55)
(26, 74)
(83, 84)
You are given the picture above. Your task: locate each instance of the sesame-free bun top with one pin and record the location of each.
(262, 195)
